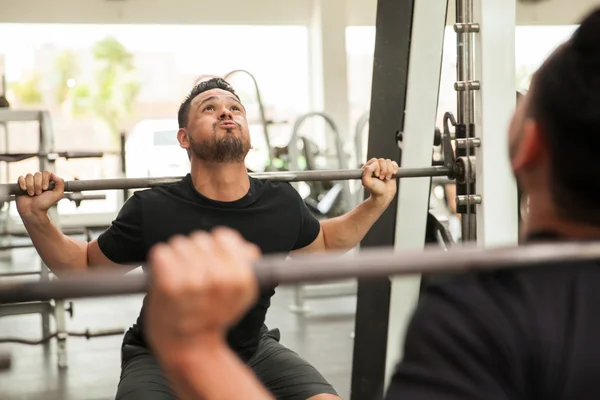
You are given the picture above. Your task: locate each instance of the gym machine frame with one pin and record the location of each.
(488, 208)
(302, 292)
(47, 307)
(47, 157)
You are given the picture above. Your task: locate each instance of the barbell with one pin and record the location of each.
(284, 176)
(275, 270)
(54, 155)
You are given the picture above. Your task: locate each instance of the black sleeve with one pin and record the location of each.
(462, 343)
(309, 224)
(123, 241)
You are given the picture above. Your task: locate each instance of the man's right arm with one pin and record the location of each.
(62, 253)
(122, 245)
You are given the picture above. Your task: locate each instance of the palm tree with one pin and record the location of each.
(66, 70)
(27, 90)
(114, 89)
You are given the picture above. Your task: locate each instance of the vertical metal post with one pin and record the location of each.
(465, 128)
(299, 306)
(45, 315)
(388, 101)
(425, 66)
(46, 139)
(5, 219)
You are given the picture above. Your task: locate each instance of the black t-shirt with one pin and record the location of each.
(271, 215)
(509, 334)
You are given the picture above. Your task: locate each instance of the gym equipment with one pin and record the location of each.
(83, 231)
(48, 309)
(317, 189)
(464, 126)
(285, 176)
(75, 197)
(47, 157)
(86, 334)
(16, 157)
(276, 270)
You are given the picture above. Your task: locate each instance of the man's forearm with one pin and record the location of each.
(213, 371)
(59, 252)
(346, 231)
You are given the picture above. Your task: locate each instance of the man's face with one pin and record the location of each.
(217, 130)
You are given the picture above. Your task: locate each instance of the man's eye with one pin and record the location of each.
(235, 108)
(209, 107)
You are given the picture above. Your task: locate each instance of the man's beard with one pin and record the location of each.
(227, 149)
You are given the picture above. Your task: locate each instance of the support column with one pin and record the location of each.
(329, 84)
(388, 100)
(329, 76)
(427, 42)
(497, 215)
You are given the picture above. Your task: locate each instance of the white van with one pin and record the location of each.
(152, 150)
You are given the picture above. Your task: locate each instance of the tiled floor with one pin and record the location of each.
(322, 337)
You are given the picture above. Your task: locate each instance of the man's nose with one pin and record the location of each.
(225, 113)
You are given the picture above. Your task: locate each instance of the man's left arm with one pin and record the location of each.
(345, 232)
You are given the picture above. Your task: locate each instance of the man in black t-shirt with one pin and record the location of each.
(217, 192)
(514, 334)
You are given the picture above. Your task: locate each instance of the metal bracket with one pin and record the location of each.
(449, 157)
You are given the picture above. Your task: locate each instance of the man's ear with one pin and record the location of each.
(531, 147)
(183, 138)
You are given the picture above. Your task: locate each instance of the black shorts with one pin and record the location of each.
(282, 371)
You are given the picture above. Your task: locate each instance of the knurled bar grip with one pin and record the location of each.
(286, 176)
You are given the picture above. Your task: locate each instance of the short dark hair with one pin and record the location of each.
(213, 83)
(565, 102)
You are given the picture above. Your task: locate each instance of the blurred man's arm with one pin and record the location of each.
(212, 371)
(200, 286)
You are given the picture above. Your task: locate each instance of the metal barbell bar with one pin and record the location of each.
(275, 269)
(76, 197)
(286, 176)
(86, 334)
